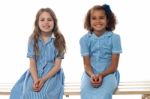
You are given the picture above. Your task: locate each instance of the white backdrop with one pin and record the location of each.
(16, 24)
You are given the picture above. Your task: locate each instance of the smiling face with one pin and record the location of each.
(46, 22)
(98, 21)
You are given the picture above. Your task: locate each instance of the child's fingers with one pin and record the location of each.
(95, 81)
(37, 86)
(40, 84)
(34, 87)
(96, 85)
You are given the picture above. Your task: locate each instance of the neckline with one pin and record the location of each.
(105, 34)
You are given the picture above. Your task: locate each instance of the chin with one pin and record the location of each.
(47, 31)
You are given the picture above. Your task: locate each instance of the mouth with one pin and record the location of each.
(98, 25)
(46, 27)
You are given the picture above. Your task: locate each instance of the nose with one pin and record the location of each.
(97, 20)
(46, 22)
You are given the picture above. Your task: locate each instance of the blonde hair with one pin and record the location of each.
(59, 40)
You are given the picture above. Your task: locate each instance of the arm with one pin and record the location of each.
(84, 45)
(40, 82)
(113, 66)
(33, 69)
(54, 70)
(116, 50)
(95, 80)
(84, 48)
(87, 65)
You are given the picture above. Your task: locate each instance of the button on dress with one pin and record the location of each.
(100, 50)
(53, 87)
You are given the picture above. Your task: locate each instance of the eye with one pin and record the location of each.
(93, 18)
(102, 17)
(41, 19)
(49, 19)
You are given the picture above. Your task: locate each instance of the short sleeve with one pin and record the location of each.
(61, 56)
(116, 44)
(30, 52)
(84, 48)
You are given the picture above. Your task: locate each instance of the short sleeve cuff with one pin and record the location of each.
(85, 54)
(61, 56)
(30, 55)
(117, 52)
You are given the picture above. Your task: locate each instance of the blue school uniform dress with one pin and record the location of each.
(100, 50)
(53, 87)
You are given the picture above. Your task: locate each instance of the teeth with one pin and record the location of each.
(98, 25)
(46, 26)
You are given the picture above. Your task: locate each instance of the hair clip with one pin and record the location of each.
(107, 8)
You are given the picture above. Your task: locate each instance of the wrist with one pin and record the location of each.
(92, 75)
(35, 79)
(44, 79)
(102, 75)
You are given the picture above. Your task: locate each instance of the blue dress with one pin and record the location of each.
(53, 87)
(100, 50)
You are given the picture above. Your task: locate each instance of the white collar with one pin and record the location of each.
(53, 36)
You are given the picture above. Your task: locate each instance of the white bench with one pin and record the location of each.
(124, 88)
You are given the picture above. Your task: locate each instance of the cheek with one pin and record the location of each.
(40, 25)
(92, 23)
(52, 25)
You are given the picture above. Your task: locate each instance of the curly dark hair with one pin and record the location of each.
(109, 14)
